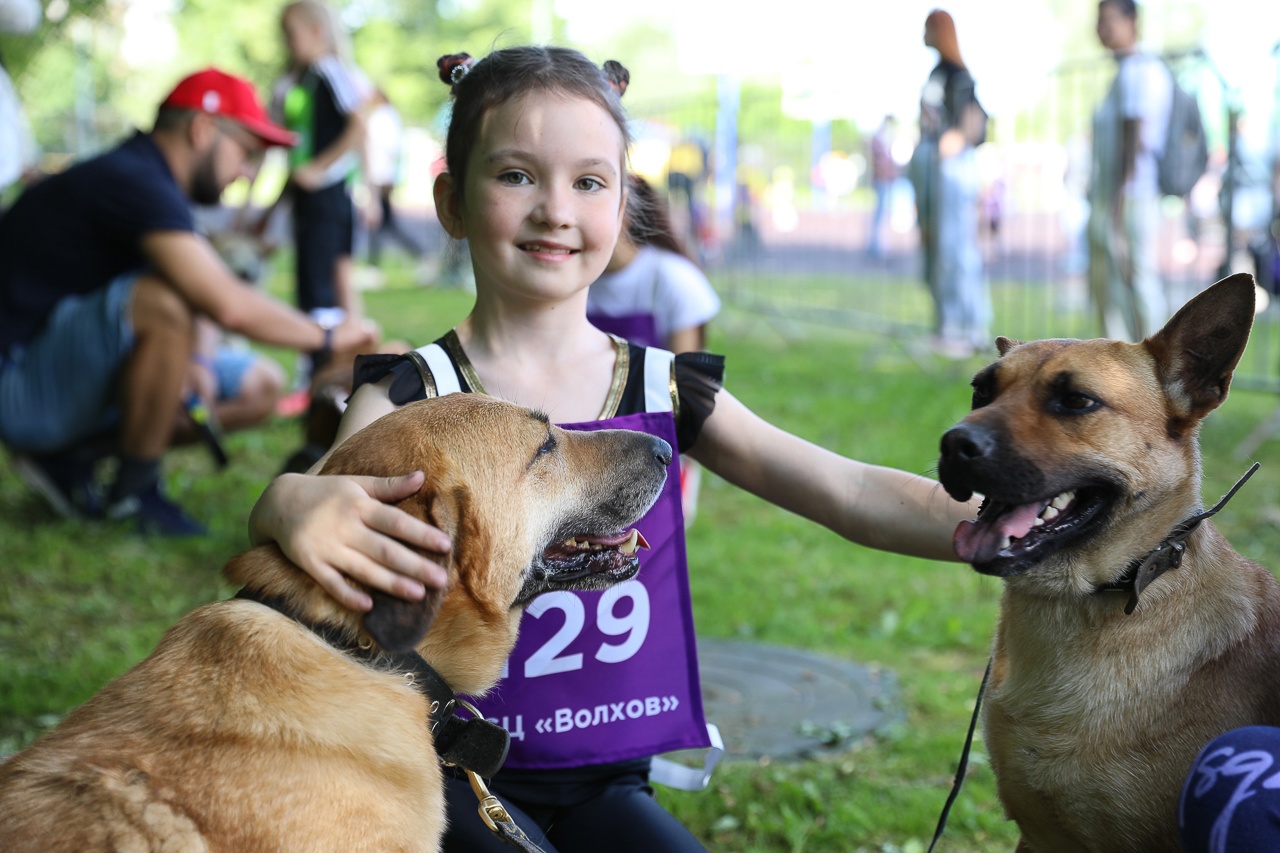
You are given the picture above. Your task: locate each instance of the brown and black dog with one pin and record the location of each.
(1086, 453)
(246, 731)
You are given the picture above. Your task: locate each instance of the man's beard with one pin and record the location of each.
(205, 187)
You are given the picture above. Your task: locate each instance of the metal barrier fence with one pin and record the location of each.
(776, 241)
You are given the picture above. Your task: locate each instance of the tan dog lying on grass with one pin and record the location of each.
(246, 730)
(1086, 453)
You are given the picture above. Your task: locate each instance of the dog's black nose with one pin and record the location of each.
(661, 450)
(967, 442)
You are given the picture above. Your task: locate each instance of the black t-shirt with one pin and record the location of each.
(76, 231)
(948, 90)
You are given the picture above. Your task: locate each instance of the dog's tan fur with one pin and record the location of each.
(243, 731)
(1093, 717)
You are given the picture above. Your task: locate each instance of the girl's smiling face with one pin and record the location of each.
(542, 201)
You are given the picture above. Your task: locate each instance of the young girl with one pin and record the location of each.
(599, 682)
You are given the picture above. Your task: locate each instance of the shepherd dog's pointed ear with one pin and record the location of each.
(1198, 350)
(398, 625)
(1003, 344)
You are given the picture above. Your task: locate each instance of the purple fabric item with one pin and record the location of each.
(640, 329)
(608, 676)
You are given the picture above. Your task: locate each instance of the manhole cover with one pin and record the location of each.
(790, 703)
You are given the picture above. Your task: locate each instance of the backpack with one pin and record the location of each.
(1186, 148)
(974, 123)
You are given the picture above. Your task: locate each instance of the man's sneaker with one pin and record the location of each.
(155, 514)
(65, 480)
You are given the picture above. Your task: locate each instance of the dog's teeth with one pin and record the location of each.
(1039, 522)
(629, 547)
(1063, 500)
(1005, 543)
(1049, 514)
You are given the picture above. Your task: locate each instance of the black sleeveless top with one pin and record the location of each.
(696, 377)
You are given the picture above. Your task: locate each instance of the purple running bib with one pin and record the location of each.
(640, 329)
(608, 676)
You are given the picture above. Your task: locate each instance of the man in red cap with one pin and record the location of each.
(104, 274)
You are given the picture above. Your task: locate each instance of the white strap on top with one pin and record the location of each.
(442, 370)
(673, 774)
(657, 380)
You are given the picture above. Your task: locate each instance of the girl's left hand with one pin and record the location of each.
(340, 527)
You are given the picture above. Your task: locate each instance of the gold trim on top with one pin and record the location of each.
(454, 346)
(621, 366)
(675, 394)
(424, 371)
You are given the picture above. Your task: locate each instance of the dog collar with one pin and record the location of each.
(1168, 554)
(472, 743)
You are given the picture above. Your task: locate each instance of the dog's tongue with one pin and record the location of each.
(979, 541)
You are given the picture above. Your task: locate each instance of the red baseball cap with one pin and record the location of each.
(221, 94)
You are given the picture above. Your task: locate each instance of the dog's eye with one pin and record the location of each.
(547, 446)
(981, 395)
(1074, 403)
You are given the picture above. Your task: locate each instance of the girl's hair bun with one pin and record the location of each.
(454, 67)
(617, 75)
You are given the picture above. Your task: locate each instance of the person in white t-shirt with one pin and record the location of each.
(384, 166)
(651, 293)
(1129, 129)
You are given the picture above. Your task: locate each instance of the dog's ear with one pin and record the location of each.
(398, 625)
(1003, 345)
(1197, 351)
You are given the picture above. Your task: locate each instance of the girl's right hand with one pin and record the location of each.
(338, 527)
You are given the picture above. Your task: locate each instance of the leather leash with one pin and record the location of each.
(963, 766)
(496, 817)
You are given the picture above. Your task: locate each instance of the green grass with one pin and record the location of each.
(80, 603)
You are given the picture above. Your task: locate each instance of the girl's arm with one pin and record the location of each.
(340, 527)
(872, 505)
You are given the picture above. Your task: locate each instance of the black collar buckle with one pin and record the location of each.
(1168, 554)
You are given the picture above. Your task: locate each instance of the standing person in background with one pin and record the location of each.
(385, 150)
(1129, 129)
(884, 171)
(944, 172)
(17, 146)
(322, 100)
(686, 176)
